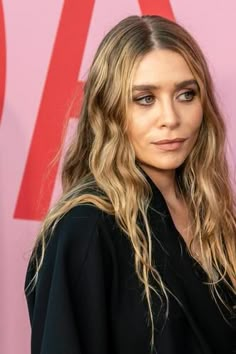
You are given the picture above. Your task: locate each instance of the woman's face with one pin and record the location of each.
(165, 107)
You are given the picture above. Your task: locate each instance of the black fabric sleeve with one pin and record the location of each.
(68, 308)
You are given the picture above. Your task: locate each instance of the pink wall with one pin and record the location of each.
(30, 32)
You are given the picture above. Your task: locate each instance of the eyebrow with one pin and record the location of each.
(178, 85)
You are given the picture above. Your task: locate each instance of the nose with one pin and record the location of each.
(168, 115)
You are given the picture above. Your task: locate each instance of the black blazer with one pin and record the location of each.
(88, 299)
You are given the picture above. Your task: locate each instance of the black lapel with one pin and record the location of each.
(172, 259)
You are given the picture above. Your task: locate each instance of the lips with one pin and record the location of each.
(170, 145)
(169, 141)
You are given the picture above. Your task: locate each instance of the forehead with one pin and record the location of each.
(162, 67)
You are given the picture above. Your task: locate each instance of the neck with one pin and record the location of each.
(165, 182)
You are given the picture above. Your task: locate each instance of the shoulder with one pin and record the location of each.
(81, 218)
(77, 251)
(82, 232)
(78, 228)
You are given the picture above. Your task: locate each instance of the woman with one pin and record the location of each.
(139, 253)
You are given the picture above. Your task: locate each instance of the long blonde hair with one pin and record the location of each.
(100, 166)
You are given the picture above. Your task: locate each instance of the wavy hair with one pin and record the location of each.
(100, 166)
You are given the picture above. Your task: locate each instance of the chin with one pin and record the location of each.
(160, 166)
(166, 167)
(165, 164)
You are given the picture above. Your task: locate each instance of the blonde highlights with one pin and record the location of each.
(100, 166)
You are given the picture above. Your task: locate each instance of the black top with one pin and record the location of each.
(88, 299)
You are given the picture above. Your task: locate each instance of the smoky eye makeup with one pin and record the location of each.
(184, 91)
(187, 95)
(144, 99)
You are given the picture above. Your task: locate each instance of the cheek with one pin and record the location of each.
(138, 129)
(194, 129)
(195, 122)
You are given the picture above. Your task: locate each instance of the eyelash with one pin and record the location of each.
(139, 99)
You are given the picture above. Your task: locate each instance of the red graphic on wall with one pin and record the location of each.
(37, 183)
(2, 59)
(156, 7)
(61, 83)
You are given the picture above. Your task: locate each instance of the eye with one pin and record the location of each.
(145, 100)
(187, 95)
